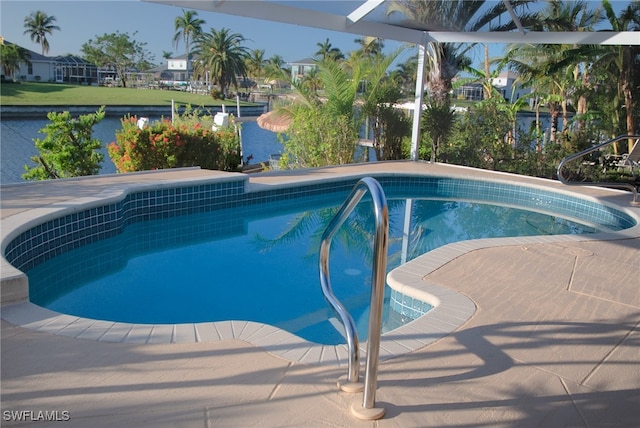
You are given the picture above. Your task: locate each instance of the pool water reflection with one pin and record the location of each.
(260, 262)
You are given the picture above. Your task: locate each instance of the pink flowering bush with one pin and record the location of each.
(189, 141)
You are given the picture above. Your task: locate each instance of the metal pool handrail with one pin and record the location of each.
(595, 148)
(381, 237)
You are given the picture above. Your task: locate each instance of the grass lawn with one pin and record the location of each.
(28, 93)
(60, 94)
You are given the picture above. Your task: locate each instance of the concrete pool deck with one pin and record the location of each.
(554, 341)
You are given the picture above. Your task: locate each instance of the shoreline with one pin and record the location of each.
(18, 146)
(41, 111)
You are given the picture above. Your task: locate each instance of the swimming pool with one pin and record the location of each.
(148, 210)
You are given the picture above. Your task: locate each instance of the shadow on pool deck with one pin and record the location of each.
(555, 341)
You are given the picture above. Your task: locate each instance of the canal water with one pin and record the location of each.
(17, 146)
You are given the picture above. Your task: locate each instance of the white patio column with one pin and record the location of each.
(417, 108)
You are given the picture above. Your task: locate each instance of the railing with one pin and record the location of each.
(595, 148)
(368, 411)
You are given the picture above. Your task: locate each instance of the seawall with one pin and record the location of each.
(40, 112)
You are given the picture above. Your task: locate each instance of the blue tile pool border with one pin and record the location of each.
(450, 310)
(59, 235)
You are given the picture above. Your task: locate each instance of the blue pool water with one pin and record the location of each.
(259, 262)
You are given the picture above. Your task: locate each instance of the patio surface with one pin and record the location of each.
(554, 341)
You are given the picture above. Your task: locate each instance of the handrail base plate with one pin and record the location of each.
(371, 414)
(346, 386)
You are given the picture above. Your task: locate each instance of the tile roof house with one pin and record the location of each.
(301, 68)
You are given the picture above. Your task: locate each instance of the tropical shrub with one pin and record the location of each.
(389, 124)
(323, 129)
(316, 138)
(216, 94)
(479, 138)
(437, 124)
(390, 127)
(69, 149)
(188, 141)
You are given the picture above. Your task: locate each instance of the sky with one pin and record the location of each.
(80, 21)
(153, 24)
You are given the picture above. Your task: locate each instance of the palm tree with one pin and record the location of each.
(370, 46)
(311, 82)
(323, 129)
(255, 65)
(11, 56)
(622, 61)
(533, 63)
(274, 69)
(573, 66)
(188, 27)
(324, 126)
(327, 51)
(508, 106)
(406, 74)
(276, 61)
(38, 25)
(221, 54)
(445, 60)
(485, 77)
(381, 92)
(570, 16)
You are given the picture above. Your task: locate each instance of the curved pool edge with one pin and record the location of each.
(454, 309)
(13, 282)
(451, 310)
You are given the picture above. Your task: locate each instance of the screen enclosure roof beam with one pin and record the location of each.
(355, 22)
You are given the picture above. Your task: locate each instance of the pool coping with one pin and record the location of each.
(451, 308)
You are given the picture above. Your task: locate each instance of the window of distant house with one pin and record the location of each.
(29, 68)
